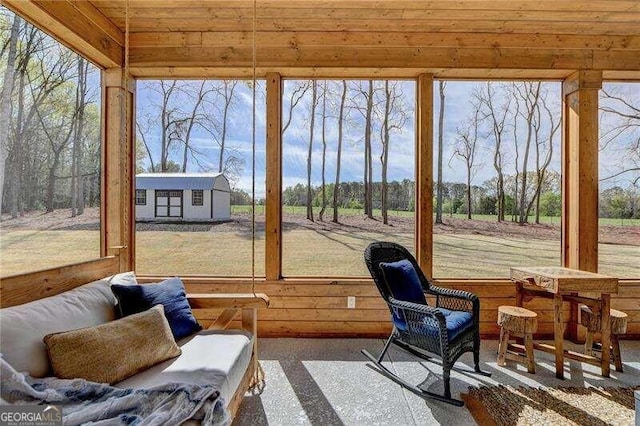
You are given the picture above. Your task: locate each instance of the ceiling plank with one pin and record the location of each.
(379, 39)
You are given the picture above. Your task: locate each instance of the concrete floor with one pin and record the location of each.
(327, 382)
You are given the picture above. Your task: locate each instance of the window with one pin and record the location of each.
(53, 163)
(220, 229)
(348, 172)
(497, 200)
(141, 197)
(619, 180)
(197, 197)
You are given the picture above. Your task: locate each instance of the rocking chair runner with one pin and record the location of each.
(447, 330)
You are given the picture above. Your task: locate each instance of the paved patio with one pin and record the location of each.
(327, 382)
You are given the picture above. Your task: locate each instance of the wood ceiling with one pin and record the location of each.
(451, 38)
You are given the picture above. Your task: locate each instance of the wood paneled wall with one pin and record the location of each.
(318, 307)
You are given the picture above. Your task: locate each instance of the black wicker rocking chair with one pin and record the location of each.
(447, 330)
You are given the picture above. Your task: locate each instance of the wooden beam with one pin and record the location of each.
(580, 170)
(580, 177)
(219, 72)
(228, 300)
(299, 39)
(83, 29)
(424, 173)
(370, 57)
(273, 208)
(118, 153)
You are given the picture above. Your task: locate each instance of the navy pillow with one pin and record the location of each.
(404, 284)
(170, 293)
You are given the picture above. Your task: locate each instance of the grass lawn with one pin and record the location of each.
(306, 252)
(302, 210)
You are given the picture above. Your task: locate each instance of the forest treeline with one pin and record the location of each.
(49, 123)
(615, 202)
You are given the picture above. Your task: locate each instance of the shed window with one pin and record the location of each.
(141, 197)
(197, 197)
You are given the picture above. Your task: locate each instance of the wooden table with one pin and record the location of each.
(564, 284)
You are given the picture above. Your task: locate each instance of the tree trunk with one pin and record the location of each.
(51, 182)
(324, 151)
(384, 158)
(311, 128)
(228, 97)
(439, 188)
(76, 160)
(16, 175)
(5, 101)
(468, 192)
(530, 111)
(336, 188)
(368, 169)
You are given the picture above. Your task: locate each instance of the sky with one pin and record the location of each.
(458, 113)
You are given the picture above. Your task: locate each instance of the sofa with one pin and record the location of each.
(223, 358)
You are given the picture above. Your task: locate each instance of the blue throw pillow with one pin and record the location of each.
(170, 293)
(404, 284)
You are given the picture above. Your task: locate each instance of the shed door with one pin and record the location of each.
(168, 203)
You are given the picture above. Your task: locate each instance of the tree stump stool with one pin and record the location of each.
(592, 321)
(517, 322)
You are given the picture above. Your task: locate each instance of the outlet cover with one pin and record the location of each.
(351, 302)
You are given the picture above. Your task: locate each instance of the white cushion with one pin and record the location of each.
(210, 357)
(22, 327)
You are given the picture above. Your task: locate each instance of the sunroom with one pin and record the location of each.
(498, 141)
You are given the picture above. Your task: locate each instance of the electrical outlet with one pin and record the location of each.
(351, 302)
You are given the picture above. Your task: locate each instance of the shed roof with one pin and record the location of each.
(176, 181)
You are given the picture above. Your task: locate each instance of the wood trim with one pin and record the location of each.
(71, 26)
(118, 164)
(243, 387)
(424, 173)
(24, 288)
(273, 208)
(228, 300)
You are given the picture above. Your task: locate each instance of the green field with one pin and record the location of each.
(302, 210)
(306, 252)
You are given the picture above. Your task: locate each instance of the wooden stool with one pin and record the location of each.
(518, 322)
(618, 326)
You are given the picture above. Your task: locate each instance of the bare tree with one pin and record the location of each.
(529, 93)
(323, 188)
(77, 193)
(368, 173)
(393, 119)
(497, 117)
(229, 87)
(543, 146)
(341, 116)
(5, 100)
(621, 111)
(314, 102)
(466, 147)
(186, 123)
(439, 188)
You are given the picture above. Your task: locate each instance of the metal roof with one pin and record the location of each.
(175, 181)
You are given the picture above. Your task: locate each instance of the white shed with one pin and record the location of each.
(203, 197)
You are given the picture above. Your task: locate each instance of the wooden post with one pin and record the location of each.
(558, 335)
(424, 173)
(118, 167)
(273, 208)
(580, 177)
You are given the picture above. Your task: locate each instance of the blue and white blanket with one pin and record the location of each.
(84, 402)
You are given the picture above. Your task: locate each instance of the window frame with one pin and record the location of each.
(141, 197)
(200, 194)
